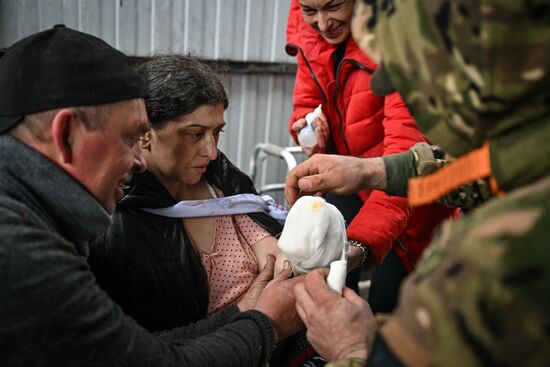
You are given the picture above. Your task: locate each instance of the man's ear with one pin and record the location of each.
(63, 129)
(145, 141)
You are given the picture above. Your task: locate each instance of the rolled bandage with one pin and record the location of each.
(314, 236)
(336, 278)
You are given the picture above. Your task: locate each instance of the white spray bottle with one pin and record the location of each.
(307, 137)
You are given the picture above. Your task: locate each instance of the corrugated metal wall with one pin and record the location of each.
(236, 30)
(242, 30)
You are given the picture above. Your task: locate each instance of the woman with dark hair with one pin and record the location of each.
(167, 271)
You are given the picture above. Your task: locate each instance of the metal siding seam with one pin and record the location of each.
(241, 121)
(152, 27)
(39, 15)
(186, 26)
(117, 20)
(268, 120)
(246, 31)
(274, 35)
(79, 7)
(217, 31)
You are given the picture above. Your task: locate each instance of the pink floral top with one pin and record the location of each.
(231, 267)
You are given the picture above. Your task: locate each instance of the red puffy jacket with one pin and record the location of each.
(361, 125)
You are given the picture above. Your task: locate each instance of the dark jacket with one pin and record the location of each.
(52, 313)
(145, 262)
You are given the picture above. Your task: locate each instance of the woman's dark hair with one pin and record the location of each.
(178, 85)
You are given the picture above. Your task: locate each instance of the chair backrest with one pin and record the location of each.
(289, 155)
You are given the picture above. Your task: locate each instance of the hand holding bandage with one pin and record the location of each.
(314, 236)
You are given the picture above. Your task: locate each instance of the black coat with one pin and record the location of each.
(52, 313)
(145, 262)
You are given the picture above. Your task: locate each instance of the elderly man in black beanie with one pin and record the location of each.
(71, 115)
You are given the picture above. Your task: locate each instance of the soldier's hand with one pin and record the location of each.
(338, 327)
(335, 174)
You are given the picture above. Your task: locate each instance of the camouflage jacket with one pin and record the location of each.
(480, 295)
(475, 74)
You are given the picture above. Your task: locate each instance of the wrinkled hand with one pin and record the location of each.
(321, 133)
(277, 302)
(264, 279)
(335, 174)
(337, 327)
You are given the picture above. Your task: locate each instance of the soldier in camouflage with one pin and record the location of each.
(475, 74)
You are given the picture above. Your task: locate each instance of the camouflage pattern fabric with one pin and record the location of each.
(429, 158)
(468, 196)
(480, 295)
(474, 72)
(463, 66)
(423, 159)
(470, 71)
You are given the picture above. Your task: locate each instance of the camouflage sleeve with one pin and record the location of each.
(399, 168)
(480, 295)
(421, 160)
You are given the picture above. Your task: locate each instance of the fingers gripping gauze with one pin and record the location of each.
(314, 236)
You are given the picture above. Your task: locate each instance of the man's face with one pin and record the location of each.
(179, 153)
(330, 18)
(105, 159)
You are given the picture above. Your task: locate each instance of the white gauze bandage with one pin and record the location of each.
(314, 236)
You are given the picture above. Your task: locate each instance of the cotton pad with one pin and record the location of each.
(314, 236)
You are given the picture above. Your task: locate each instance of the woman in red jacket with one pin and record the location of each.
(334, 72)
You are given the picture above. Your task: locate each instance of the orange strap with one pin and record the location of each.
(469, 168)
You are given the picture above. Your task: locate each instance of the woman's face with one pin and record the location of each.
(180, 151)
(330, 18)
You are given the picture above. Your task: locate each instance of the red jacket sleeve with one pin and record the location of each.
(382, 218)
(400, 129)
(306, 95)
